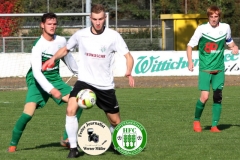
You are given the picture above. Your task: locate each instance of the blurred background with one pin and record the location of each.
(138, 21)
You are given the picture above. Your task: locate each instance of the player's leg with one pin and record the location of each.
(107, 101)
(204, 80)
(20, 125)
(114, 119)
(34, 99)
(217, 86)
(65, 89)
(71, 119)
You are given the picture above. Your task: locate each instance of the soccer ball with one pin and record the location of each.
(86, 98)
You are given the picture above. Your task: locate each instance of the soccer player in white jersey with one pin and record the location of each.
(43, 85)
(97, 45)
(210, 38)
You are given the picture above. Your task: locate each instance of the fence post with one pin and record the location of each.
(4, 45)
(22, 45)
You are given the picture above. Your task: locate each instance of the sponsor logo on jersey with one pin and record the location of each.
(103, 49)
(95, 55)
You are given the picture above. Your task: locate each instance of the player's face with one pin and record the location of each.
(214, 19)
(49, 27)
(98, 20)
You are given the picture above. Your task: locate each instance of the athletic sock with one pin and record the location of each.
(18, 128)
(216, 112)
(199, 110)
(111, 129)
(72, 128)
(79, 113)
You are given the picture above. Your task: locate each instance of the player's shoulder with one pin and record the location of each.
(225, 25)
(59, 38)
(83, 31)
(204, 25)
(37, 41)
(109, 30)
(112, 33)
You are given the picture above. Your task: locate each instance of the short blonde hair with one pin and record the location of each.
(97, 8)
(214, 9)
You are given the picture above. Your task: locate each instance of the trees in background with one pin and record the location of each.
(9, 25)
(127, 9)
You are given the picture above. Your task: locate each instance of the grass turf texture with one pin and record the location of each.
(166, 113)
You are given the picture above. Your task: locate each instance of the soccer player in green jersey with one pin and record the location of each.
(43, 85)
(210, 38)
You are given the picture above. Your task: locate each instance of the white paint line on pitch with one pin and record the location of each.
(5, 102)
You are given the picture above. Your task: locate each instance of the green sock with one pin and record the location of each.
(199, 110)
(79, 113)
(216, 112)
(18, 128)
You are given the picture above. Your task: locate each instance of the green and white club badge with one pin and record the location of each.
(129, 137)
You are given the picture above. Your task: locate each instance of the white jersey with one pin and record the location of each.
(43, 50)
(96, 55)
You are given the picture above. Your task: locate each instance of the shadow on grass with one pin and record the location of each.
(222, 126)
(57, 144)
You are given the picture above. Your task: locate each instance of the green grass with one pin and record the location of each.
(166, 113)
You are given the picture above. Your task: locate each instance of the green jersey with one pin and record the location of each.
(42, 51)
(211, 45)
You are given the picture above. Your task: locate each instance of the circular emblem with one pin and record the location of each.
(129, 137)
(94, 137)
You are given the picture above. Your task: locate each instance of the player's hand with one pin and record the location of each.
(235, 50)
(130, 80)
(48, 64)
(190, 66)
(56, 93)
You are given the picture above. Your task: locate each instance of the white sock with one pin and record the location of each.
(111, 128)
(72, 128)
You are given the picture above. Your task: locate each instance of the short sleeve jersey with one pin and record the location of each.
(211, 45)
(43, 50)
(96, 55)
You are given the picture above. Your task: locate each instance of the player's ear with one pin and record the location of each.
(41, 25)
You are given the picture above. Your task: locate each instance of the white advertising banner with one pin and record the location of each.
(146, 63)
(174, 63)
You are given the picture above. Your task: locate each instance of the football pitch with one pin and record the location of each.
(166, 113)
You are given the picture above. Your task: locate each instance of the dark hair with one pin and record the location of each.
(214, 9)
(48, 16)
(97, 8)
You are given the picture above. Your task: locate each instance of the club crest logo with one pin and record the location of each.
(129, 137)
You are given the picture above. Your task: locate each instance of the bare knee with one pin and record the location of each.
(204, 96)
(72, 107)
(114, 118)
(30, 108)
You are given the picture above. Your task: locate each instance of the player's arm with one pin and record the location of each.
(189, 57)
(70, 63)
(192, 43)
(232, 46)
(230, 43)
(58, 55)
(61, 52)
(36, 63)
(129, 63)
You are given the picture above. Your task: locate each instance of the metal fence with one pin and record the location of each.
(24, 44)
